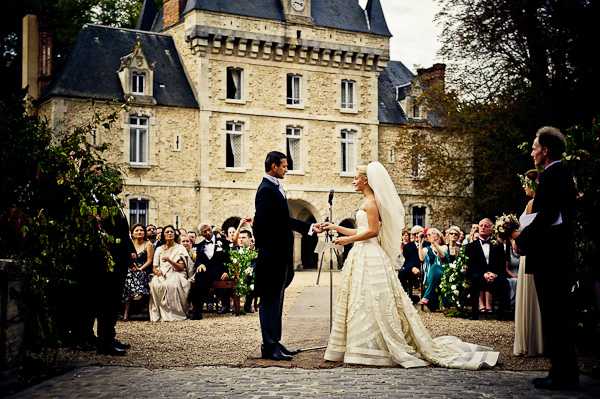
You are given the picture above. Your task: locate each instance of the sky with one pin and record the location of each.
(415, 40)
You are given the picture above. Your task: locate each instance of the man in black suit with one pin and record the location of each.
(274, 242)
(410, 272)
(486, 269)
(548, 243)
(212, 255)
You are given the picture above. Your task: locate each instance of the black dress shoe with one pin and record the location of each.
(121, 345)
(224, 311)
(556, 385)
(286, 351)
(196, 316)
(275, 354)
(111, 351)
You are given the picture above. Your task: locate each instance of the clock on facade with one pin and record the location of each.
(298, 5)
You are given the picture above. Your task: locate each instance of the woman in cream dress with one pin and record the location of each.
(169, 287)
(528, 320)
(375, 322)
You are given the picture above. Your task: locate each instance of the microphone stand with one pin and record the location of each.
(332, 253)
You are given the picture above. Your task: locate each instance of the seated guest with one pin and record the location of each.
(511, 271)
(136, 282)
(169, 287)
(231, 234)
(193, 237)
(434, 257)
(486, 272)
(187, 244)
(453, 235)
(151, 235)
(410, 272)
(212, 255)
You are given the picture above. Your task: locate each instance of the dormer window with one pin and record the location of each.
(416, 111)
(138, 82)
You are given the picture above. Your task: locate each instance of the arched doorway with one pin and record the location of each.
(304, 245)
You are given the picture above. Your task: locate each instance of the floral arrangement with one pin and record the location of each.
(506, 225)
(526, 182)
(241, 269)
(454, 286)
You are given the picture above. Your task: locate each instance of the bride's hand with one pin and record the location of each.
(328, 226)
(342, 241)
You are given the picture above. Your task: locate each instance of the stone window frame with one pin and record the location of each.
(153, 204)
(357, 143)
(302, 91)
(355, 105)
(244, 133)
(139, 126)
(301, 170)
(244, 84)
(137, 73)
(138, 112)
(409, 211)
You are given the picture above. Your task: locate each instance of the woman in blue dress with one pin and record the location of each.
(434, 253)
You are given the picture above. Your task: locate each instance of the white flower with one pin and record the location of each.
(241, 251)
(117, 241)
(248, 272)
(453, 287)
(251, 287)
(453, 265)
(234, 261)
(455, 292)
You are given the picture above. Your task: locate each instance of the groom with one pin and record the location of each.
(554, 204)
(274, 241)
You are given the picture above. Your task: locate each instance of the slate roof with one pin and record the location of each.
(339, 14)
(147, 15)
(91, 69)
(396, 74)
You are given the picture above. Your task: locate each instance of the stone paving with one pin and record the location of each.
(248, 383)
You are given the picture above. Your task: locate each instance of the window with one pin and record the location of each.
(234, 83)
(347, 139)
(348, 94)
(293, 89)
(392, 155)
(138, 140)
(233, 144)
(138, 80)
(417, 166)
(177, 144)
(416, 111)
(292, 144)
(418, 215)
(138, 211)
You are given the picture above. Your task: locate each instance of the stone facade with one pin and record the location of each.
(186, 179)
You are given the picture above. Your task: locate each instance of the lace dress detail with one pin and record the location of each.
(375, 323)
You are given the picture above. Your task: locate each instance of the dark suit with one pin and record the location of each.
(411, 259)
(477, 266)
(549, 250)
(215, 267)
(274, 266)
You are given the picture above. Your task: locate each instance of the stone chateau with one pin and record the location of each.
(213, 85)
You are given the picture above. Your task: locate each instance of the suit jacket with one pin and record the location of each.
(215, 266)
(477, 265)
(274, 239)
(555, 195)
(411, 257)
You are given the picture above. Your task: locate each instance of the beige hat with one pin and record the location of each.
(416, 229)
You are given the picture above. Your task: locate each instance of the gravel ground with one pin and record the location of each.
(230, 340)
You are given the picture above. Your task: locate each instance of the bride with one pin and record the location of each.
(374, 320)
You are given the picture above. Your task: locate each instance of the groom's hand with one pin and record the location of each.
(317, 228)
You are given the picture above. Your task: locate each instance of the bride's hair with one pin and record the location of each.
(362, 170)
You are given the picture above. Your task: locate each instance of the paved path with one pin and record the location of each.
(306, 325)
(245, 383)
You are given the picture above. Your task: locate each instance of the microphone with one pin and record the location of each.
(330, 200)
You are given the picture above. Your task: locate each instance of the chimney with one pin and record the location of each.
(172, 10)
(435, 75)
(30, 71)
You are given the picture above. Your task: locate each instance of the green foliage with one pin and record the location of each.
(240, 269)
(56, 188)
(454, 287)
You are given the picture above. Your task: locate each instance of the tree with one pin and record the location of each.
(538, 51)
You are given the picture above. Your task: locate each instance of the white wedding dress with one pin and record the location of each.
(375, 322)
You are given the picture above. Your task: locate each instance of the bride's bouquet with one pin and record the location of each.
(506, 225)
